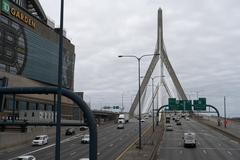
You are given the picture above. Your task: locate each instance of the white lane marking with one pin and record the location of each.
(34, 151)
(63, 141)
(71, 154)
(180, 152)
(229, 153)
(204, 151)
(234, 141)
(203, 148)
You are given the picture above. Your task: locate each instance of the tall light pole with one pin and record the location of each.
(122, 104)
(225, 115)
(59, 95)
(139, 92)
(153, 98)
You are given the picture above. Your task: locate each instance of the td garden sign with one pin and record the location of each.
(6, 8)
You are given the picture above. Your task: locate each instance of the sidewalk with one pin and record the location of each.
(150, 144)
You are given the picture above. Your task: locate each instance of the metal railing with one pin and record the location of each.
(67, 93)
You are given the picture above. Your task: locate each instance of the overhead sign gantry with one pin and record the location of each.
(199, 105)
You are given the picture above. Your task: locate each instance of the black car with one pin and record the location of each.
(178, 123)
(70, 131)
(83, 128)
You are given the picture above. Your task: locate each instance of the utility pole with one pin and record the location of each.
(122, 104)
(225, 119)
(153, 101)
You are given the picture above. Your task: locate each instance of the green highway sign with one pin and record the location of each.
(186, 105)
(172, 103)
(199, 104)
(178, 105)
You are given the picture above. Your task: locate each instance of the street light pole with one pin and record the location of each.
(59, 95)
(153, 116)
(139, 102)
(225, 118)
(139, 92)
(153, 101)
(122, 104)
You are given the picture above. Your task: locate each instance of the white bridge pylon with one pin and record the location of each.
(160, 49)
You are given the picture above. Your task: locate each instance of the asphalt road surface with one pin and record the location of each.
(111, 142)
(211, 145)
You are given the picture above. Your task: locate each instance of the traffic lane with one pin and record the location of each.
(72, 147)
(108, 138)
(21, 149)
(172, 145)
(215, 144)
(9, 154)
(29, 148)
(211, 143)
(123, 141)
(110, 145)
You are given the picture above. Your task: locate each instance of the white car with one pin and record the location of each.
(142, 120)
(189, 139)
(169, 127)
(187, 118)
(85, 139)
(120, 126)
(29, 157)
(40, 140)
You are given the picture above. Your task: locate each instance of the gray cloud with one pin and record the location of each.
(201, 38)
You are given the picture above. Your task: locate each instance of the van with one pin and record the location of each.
(40, 140)
(189, 139)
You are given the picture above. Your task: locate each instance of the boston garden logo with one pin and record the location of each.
(5, 6)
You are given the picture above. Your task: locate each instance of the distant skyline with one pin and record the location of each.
(201, 39)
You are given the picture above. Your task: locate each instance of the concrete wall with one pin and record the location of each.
(11, 139)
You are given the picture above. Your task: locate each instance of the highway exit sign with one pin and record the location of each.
(200, 104)
(179, 105)
(172, 103)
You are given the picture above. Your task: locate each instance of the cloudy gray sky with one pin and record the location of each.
(201, 37)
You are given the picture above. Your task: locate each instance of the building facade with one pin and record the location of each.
(29, 48)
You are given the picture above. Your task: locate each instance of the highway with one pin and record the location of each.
(211, 145)
(111, 142)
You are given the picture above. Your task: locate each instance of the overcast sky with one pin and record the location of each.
(201, 37)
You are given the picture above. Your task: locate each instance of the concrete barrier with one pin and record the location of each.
(12, 139)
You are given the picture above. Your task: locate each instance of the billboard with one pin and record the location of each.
(26, 52)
